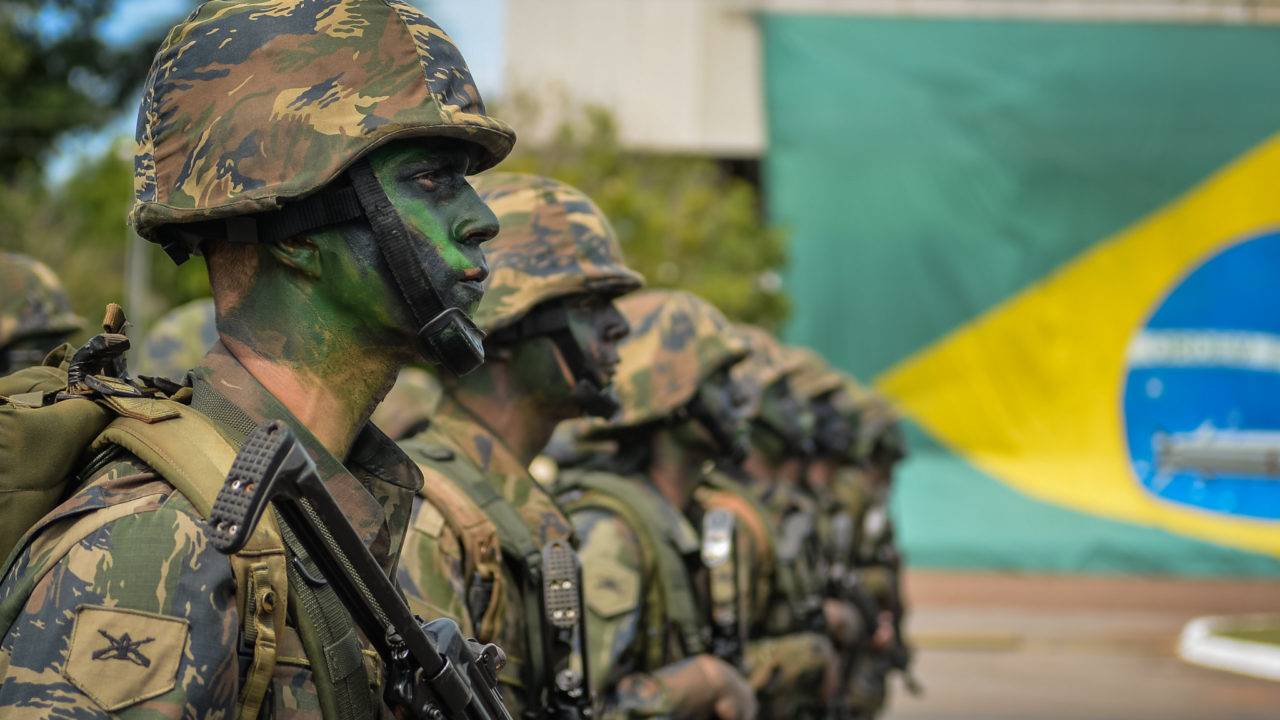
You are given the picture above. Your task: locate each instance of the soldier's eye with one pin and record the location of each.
(430, 181)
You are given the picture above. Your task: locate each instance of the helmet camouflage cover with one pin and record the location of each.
(33, 301)
(879, 428)
(249, 104)
(766, 364)
(179, 339)
(677, 341)
(813, 377)
(554, 242)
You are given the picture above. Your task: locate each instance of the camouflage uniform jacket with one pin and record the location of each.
(800, 575)
(139, 617)
(873, 530)
(783, 667)
(437, 575)
(638, 553)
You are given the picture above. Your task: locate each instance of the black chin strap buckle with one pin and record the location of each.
(595, 400)
(453, 340)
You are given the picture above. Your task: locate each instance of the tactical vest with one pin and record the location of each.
(188, 451)
(718, 491)
(478, 513)
(666, 548)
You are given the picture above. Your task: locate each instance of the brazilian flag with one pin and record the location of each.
(1056, 248)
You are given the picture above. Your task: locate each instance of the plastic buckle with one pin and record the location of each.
(453, 341)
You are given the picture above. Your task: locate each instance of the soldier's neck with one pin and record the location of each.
(325, 371)
(673, 469)
(522, 421)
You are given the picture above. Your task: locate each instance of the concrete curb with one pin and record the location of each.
(1199, 645)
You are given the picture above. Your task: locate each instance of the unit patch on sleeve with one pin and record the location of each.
(119, 657)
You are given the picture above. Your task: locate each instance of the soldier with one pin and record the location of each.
(178, 340)
(649, 641)
(35, 312)
(864, 481)
(315, 154)
(488, 545)
(781, 430)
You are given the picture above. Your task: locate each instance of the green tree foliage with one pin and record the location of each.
(79, 230)
(682, 220)
(58, 74)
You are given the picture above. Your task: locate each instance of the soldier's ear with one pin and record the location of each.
(299, 253)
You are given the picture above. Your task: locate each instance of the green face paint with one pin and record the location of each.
(427, 184)
(555, 374)
(324, 306)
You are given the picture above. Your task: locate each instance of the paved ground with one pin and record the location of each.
(1000, 647)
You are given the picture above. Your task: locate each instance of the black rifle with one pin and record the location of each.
(563, 634)
(432, 673)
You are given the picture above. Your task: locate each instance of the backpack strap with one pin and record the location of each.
(666, 540)
(186, 449)
(482, 549)
(468, 492)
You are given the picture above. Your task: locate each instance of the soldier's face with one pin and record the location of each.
(718, 414)
(597, 327)
(426, 183)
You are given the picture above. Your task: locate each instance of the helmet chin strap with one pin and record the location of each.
(720, 426)
(446, 334)
(591, 390)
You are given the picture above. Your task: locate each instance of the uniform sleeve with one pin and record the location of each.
(432, 574)
(613, 586)
(124, 611)
(786, 671)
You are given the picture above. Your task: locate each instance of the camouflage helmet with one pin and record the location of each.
(813, 377)
(823, 387)
(179, 339)
(249, 105)
(767, 373)
(677, 341)
(766, 364)
(880, 438)
(34, 304)
(554, 242)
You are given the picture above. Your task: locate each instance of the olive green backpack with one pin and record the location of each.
(55, 417)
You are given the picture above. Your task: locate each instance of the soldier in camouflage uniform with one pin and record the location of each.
(178, 340)
(296, 146)
(650, 652)
(552, 331)
(863, 482)
(35, 312)
(782, 430)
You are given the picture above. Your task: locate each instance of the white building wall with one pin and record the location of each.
(685, 75)
(679, 75)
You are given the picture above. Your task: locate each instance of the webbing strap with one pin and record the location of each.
(324, 625)
(261, 632)
(671, 595)
(445, 334)
(521, 553)
(411, 269)
(325, 621)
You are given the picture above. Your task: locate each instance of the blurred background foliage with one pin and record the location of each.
(683, 221)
